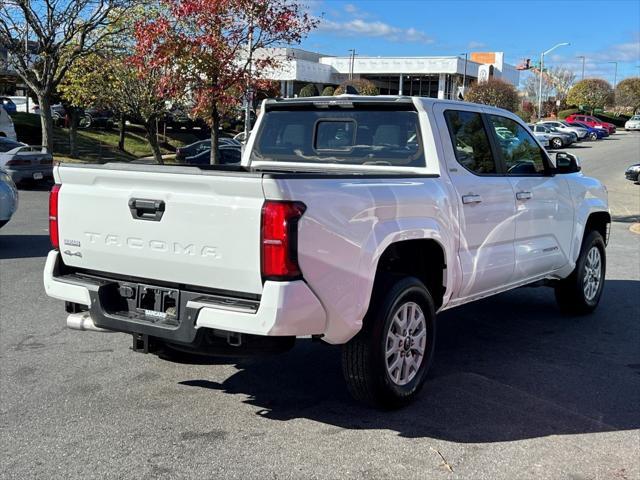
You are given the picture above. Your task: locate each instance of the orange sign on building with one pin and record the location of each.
(483, 57)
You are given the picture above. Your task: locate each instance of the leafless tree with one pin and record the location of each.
(563, 80)
(57, 32)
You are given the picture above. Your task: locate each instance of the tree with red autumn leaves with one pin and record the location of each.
(208, 49)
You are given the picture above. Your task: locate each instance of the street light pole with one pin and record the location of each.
(542, 71)
(583, 58)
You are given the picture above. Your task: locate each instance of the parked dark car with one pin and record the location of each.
(203, 146)
(96, 118)
(229, 155)
(178, 118)
(633, 173)
(592, 133)
(8, 104)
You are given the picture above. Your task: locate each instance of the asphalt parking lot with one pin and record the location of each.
(517, 389)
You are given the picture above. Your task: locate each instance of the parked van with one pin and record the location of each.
(6, 125)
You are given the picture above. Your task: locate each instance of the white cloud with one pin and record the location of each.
(375, 29)
(473, 45)
(350, 8)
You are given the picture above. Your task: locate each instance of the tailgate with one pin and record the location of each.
(172, 224)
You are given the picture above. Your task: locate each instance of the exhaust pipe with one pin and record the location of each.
(83, 321)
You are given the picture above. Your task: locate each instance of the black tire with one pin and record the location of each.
(85, 122)
(3, 223)
(556, 143)
(364, 358)
(571, 293)
(593, 136)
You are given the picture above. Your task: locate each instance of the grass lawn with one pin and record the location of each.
(98, 145)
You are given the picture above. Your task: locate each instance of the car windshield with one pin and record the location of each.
(635, 117)
(363, 136)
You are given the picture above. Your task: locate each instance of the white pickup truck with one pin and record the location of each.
(353, 220)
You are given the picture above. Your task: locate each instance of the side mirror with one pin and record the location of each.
(567, 163)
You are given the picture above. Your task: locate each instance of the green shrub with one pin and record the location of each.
(328, 91)
(617, 120)
(562, 114)
(309, 90)
(363, 86)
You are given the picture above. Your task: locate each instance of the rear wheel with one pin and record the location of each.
(593, 136)
(386, 363)
(580, 292)
(556, 142)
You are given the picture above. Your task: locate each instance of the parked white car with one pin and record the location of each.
(24, 162)
(7, 129)
(351, 219)
(633, 123)
(21, 104)
(8, 197)
(564, 127)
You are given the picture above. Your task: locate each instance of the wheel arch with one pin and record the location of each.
(588, 220)
(423, 258)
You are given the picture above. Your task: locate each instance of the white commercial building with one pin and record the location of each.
(437, 77)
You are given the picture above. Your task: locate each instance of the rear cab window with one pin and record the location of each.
(359, 136)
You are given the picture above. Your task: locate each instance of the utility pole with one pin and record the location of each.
(464, 75)
(542, 72)
(615, 74)
(352, 61)
(583, 58)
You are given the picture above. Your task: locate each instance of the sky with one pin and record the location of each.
(602, 31)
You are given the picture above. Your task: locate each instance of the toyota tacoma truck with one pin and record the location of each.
(351, 220)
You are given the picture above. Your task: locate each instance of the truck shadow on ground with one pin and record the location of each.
(24, 246)
(507, 368)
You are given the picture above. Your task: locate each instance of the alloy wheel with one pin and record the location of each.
(405, 343)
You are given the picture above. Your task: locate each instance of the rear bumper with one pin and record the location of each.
(26, 173)
(284, 309)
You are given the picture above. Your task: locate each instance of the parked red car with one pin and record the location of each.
(592, 122)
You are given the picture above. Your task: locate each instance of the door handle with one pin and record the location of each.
(144, 209)
(524, 195)
(471, 199)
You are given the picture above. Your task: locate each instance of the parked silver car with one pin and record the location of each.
(23, 162)
(556, 139)
(8, 197)
(565, 127)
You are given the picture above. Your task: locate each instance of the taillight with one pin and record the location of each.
(18, 162)
(279, 238)
(53, 216)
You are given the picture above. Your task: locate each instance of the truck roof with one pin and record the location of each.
(367, 99)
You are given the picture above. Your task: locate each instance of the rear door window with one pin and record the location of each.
(345, 136)
(470, 141)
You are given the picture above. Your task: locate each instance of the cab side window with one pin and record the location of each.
(520, 152)
(470, 141)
